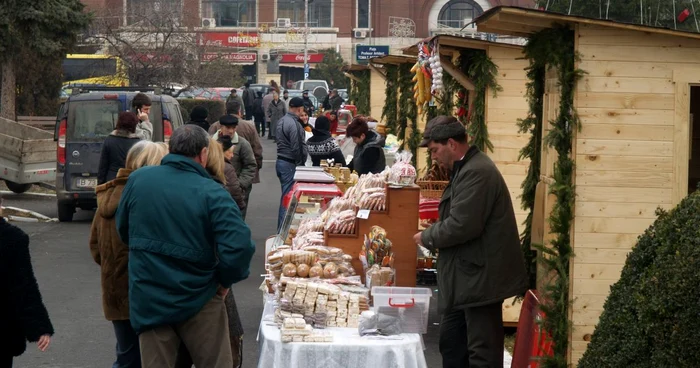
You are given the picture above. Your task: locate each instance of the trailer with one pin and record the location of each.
(27, 156)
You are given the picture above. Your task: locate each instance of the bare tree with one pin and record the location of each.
(157, 50)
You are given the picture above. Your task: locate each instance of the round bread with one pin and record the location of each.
(316, 271)
(303, 270)
(289, 270)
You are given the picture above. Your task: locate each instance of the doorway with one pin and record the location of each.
(694, 154)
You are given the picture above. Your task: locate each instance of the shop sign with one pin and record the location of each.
(234, 57)
(299, 58)
(365, 52)
(229, 39)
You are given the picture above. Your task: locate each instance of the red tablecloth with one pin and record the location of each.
(428, 208)
(329, 191)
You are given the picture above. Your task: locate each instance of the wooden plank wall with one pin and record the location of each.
(624, 156)
(502, 114)
(377, 91)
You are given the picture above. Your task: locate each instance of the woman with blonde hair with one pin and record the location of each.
(224, 173)
(112, 254)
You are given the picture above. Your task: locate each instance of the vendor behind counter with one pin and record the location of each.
(322, 145)
(369, 150)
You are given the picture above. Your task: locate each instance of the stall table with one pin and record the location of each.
(348, 350)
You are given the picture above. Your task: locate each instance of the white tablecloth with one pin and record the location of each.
(348, 350)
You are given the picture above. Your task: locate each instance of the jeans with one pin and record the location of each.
(472, 337)
(285, 172)
(128, 352)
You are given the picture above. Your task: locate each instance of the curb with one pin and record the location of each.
(35, 216)
(9, 193)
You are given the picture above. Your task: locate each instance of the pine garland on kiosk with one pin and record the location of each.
(554, 48)
(389, 111)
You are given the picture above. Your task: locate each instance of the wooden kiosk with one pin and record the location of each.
(639, 109)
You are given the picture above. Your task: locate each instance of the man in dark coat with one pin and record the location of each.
(198, 117)
(248, 99)
(23, 316)
(480, 263)
(291, 150)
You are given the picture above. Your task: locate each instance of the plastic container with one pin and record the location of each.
(412, 304)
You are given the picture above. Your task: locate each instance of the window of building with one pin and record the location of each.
(153, 12)
(230, 13)
(320, 12)
(362, 13)
(458, 13)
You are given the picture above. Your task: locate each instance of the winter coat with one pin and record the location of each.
(258, 110)
(275, 111)
(243, 160)
(265, 104)
(233, 186)
(204, 124)
(109, 251)
(144, 130)
(322, 146)
(335, 102)
(248, 96)
(113, 155)
(247, 130)
(236, 98)
(308, 105)
(291, 139)
(185, 236)
(369, 155)
(23, 316)
(480, 260)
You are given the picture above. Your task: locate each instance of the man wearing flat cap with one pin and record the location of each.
(291, 149)
(241, 153)
(480, 263)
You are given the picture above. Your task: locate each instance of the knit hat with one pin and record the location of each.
(199, 113)
(323, 125)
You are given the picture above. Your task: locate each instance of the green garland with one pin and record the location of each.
(446, 100)
(554, 48)
(482, 71)
(532, 124)
(360, 92)
(389, 111)
(408, 112)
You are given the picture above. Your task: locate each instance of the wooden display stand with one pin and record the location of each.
(400, 221)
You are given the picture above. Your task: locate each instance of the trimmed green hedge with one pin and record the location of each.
(216, 108)
(652, 316)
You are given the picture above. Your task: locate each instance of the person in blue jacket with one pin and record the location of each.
(187, 245)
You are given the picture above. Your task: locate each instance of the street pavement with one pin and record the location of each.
(70, 282)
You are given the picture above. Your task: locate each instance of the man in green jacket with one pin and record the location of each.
(479, 259)
(187, 246)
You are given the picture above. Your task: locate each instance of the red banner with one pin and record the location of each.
(244, 57)
(229, 39)
(299, 58)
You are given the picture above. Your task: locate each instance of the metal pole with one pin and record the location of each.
(306, 39)
(674, 15)
(607, 9)
(369, 19)
(692, 3)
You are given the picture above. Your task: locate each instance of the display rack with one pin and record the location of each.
(400, 220)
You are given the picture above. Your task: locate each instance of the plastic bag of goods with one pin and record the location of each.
(402, 172)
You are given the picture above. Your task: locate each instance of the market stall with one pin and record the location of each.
(621, 100)
(340, 274)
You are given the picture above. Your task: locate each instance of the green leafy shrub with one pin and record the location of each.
(652, 316)
(216, 108)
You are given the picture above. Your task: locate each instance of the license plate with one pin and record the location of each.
(86, 182)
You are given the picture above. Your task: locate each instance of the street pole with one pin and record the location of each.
(306, 39)
(369, 19)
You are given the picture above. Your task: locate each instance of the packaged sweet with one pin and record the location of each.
(342, 223)
(402, 172)
(330, 270)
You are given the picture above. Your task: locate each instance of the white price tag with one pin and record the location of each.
(363, 214)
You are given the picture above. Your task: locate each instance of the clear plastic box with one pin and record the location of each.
(411, 304)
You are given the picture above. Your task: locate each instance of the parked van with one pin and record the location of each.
(83, 123)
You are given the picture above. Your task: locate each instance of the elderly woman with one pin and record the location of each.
(275, 111)
(116, 146)
(322, 146)
(112, 254)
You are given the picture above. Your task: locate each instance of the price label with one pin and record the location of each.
(363, 214)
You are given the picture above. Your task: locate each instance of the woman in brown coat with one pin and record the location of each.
(112, 255)
(225, 176)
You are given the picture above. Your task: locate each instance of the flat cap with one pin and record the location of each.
(306, 91)
(228, 120)
(442, 127)
(296, 102)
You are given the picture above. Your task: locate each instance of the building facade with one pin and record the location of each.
(268, 37)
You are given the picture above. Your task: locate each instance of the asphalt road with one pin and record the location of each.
(70, 282)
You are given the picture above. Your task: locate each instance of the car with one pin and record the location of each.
(83, 122)
(343, 93)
